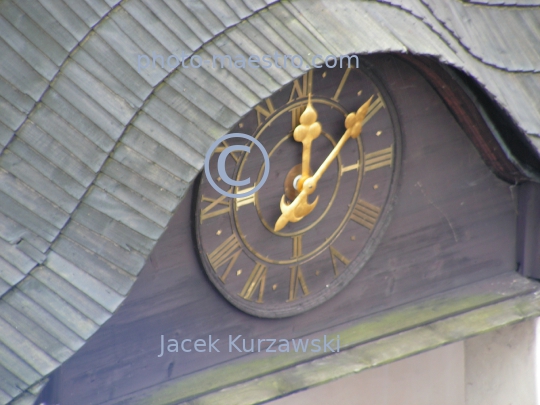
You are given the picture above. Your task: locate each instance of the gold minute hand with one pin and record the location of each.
(300, 207)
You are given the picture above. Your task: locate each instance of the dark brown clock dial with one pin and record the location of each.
(271, 273)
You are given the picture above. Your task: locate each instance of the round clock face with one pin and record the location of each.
(286, 249)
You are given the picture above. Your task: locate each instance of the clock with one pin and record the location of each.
(334, 146)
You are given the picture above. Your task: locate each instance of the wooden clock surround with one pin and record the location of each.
(452, 229)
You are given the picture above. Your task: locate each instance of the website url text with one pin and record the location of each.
(266, 61)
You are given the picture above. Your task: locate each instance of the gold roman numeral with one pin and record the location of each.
(335, 254)
(264, 112)
(297, 246)
(365, 214)
(345, 169)
(341, 84)
(296, 113)
(297, 280)
(209, 211)
(381, 158)
(228, 251)
(234, 155)
(302, 87)
(257, 278)
(374, 107)
(241, 201)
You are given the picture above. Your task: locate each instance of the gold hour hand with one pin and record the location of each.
(353, 124)
(301, 207)
(307, 131)
(294, 211)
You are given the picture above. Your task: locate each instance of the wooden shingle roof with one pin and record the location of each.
(95, 156)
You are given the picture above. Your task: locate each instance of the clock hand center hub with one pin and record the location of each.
(295, 182)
